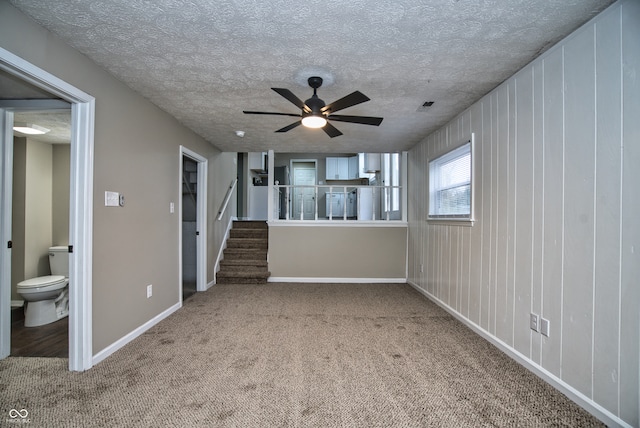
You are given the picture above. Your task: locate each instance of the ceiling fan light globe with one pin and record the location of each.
(312, 121)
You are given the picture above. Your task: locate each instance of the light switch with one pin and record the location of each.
(111, 199)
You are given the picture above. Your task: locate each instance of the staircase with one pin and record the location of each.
(245, 258)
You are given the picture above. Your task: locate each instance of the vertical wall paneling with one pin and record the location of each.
(537, 210)
(523, 214)
(553, 141)
(512, 183)
(607, 212)
(502, 302)
(579, 185)
(557, 223)
(475, 251)
(630, 290)
(485, 218)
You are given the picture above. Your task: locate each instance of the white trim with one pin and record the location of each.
(338, 223)
(17, 303)
(576, 396)
(201, 219)
(80, 211)
(210, 284)
(100, 356)
(449, 154)
(6, 186)
(223, 245)
(337, 280)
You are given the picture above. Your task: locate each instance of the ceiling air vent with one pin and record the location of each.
(425, 106)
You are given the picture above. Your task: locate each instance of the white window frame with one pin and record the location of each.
(459, 150)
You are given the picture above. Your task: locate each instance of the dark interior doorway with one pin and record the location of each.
(189, 226)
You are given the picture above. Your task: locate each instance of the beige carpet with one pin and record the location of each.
(293, 355)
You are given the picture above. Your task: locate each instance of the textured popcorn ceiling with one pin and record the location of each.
(204, 61)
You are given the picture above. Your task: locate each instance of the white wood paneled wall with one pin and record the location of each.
(557, 230)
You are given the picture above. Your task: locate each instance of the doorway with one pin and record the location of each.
(193, 225)
(40, 220)
(304, 191)
(80, 203)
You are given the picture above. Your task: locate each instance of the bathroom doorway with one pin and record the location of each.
(22, 73)
(40, 221)
(193, 215)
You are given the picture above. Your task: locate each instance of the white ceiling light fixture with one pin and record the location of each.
(314, 121)
(30, 129)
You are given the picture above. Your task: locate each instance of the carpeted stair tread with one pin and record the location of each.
(245, 257)
(243, 262)
(249, 243)
(249, 224)
(249, 233)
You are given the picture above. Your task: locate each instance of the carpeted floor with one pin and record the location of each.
(292, 355)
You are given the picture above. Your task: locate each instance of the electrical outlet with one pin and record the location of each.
(544, 326)
(149, 290)
(421, 268)
(533, 322)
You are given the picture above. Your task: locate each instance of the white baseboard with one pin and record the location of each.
(576, 396)
(17, 303)
(210, 284)
(135, 333)
(337, 280)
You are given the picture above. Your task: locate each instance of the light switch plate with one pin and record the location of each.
(111, 199)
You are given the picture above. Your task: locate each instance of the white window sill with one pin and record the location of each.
(468, 222)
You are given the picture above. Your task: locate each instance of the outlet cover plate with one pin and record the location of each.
(544, 326)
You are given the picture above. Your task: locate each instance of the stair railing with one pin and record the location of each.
(223, 207)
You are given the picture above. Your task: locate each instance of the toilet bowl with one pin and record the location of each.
(47, 297)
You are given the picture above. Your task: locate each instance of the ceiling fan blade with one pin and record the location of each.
(352, 99)
(364, 120)
(292, 98)
(273, 113)
(290, 127)
(331, 130)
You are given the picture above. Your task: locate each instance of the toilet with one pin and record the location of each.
(47, 297)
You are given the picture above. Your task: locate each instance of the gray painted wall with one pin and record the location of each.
(137, 154)
(557, 230)
(337, 252)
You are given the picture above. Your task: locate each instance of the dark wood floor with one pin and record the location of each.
(50, 340)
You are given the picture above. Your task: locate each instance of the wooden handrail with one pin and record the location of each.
(223, 207)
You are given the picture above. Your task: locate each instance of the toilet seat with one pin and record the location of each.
(42, 281)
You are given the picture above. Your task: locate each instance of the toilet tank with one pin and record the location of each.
(59, 260)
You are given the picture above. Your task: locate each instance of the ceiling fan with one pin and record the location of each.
(316, 114)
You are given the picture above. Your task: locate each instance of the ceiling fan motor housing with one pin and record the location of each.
(315, 104)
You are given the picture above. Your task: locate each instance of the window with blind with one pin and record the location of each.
(450, 185)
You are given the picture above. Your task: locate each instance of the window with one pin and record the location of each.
(450, 185)
(391, 169)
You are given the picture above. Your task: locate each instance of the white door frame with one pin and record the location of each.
(293, 173)
(80, 210)
(201, 220)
